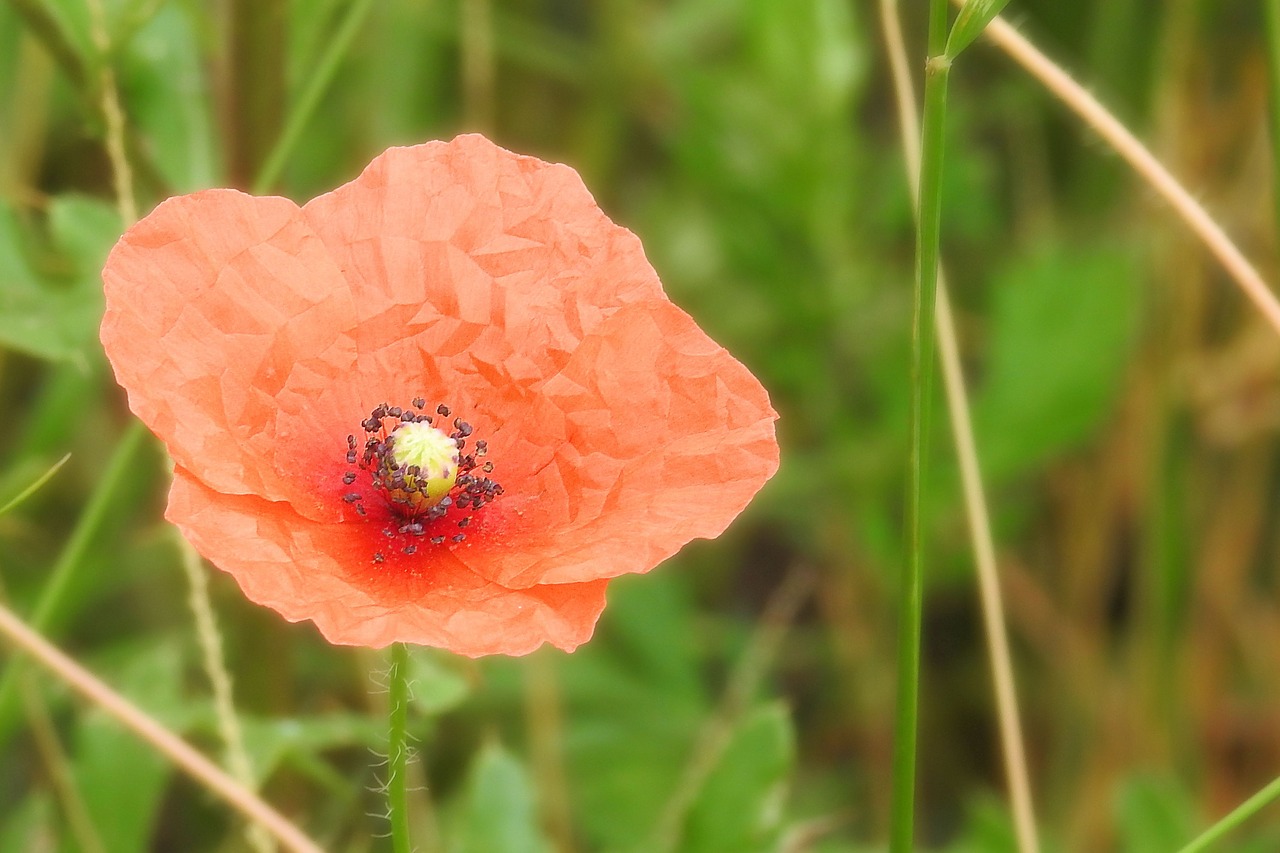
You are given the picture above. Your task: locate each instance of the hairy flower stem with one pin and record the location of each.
(397, 749)
(911, 602)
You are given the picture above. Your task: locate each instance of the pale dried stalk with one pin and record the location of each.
(1151, 170)
(133, 718)
(975, 501)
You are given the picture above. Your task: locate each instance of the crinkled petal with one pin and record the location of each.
(651, 435)
(323, 572)
(230, 327)
(476, 256)
(253, 336)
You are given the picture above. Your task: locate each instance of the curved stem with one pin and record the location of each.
(397, 750)
(1142, 161)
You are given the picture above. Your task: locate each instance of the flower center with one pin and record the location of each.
(420, 466)
(423, 473)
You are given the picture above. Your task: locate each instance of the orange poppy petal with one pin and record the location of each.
(460, 245)
(322, 572)
(227, 323)
(253, 336)
(652, 435)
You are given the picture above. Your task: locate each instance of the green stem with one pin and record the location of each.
(87, 527)
(911, 603)
(1237, 816)
(397, 750)
(314, 90)
(1272, 9)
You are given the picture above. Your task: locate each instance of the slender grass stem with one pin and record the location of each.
(35, 485)
(975, 499)
(236, 757)
(113, 112)
(1234, 818)
(87, 527)
(398, 749)
(911, 602)
(317, 83)
(1272, 9)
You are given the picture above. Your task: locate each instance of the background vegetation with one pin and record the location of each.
(739, 698)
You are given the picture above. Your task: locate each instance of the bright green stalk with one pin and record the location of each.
(1272, 9)
(1237, 816)
(87, 527)
(398, 750)
(911, 602)
(312, 92)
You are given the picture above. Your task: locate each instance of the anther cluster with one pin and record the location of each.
(413, 495)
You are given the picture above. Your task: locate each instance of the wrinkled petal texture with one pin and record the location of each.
(253, 336)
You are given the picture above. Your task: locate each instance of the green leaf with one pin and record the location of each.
(120, 778)
(434, 686)
(168, 92)
(497, 812)
(972, 20)
(297, 741)
(50, 295)
(635, 701)
(1155, 814)
(740, 806)
(1062, 325)
(988, 829)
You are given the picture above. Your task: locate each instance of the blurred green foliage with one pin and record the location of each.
(1125, 402)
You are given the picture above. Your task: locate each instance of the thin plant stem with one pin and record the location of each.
(1272, 10)
(1234, 818)
(398, 749)
(911, 600)
(317, 83)
(1142, 161)
(215, 667)
(146, 727)
(121, 172)
(35, 485)
(975, 500)
(87, 527)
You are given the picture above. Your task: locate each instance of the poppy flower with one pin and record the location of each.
(443, 404)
